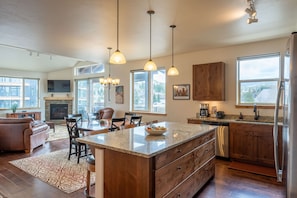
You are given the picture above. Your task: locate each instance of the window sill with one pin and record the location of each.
(252, 106)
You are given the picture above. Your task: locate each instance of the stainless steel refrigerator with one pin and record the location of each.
(286, 161)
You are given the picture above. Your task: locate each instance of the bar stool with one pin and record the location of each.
(91, 161)
(90, 168)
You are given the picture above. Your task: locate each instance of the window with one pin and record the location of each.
(90, 69)
(22, 91)
(89, 96)
(148, 91)
(257, 79)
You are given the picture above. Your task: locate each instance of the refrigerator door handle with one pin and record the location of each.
(278, 169)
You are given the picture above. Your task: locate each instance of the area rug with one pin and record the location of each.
(59, 133)
(55, 169)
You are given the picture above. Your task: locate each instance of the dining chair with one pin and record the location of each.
(74, 133)
(106, 113)
(128, 116)
(77, 116)
(91, 161)
(136, 120)
(116, 123)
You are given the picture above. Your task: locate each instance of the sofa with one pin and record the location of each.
(17, 134)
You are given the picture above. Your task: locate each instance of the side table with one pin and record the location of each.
(51, 125)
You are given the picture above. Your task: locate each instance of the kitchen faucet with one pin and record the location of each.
(257, 114)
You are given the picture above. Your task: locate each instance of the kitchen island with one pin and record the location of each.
(131, 163)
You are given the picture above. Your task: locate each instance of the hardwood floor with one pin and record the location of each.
(227, 183)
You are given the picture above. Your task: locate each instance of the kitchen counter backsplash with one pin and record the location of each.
(246, 118)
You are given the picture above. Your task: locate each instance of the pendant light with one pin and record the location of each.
(172, 71)
(107, 82)
(117, 57)
(150, 65)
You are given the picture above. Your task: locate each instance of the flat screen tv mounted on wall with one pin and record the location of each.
(58, 86)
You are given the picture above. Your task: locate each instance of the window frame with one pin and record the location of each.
(22, 96)
(239, 103)
(149, 94)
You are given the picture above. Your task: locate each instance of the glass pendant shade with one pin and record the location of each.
(172, 71)
(117, 58)
(150, 66)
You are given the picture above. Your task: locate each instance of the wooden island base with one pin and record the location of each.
(178, 172)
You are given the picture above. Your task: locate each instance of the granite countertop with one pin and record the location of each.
(137, 141)
(235, 118)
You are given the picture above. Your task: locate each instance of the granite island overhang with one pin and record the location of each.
(131, 163)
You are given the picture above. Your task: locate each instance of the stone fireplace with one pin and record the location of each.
(56, 108)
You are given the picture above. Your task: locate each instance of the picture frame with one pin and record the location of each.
(119, 94)
(181, 92)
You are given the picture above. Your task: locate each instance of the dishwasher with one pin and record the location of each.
(222, 138)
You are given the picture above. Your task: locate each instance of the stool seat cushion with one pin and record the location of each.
(91, 160)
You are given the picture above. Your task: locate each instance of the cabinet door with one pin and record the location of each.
(209, 81)
(264, 142)
(242, 146)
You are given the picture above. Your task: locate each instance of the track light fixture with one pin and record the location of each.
(251, 11)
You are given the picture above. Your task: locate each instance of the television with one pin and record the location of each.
(58, 86)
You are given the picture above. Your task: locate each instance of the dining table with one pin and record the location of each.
(93, 125)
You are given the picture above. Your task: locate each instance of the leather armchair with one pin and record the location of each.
(106, 113)
(18, 134)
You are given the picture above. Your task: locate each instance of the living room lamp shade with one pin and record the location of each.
(117, 57)
(172, 70)
(150, 65)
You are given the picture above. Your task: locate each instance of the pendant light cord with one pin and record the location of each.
(150, 12)
(150, 36)
(109, 48)
(173, 26)
(118, 18)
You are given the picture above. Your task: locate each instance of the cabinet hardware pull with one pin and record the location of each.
(178, 195)
(178, 168)
(179, 151)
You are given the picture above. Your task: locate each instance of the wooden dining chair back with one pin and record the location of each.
(77, 116)
(116, 123)
(74, 133)
(136, 120)
(128, 116)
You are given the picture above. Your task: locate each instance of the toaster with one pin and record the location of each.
(220, 114)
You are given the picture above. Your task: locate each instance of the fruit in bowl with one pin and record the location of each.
(156, 130)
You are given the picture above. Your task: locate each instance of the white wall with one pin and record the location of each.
(177, 110)
(180, 110)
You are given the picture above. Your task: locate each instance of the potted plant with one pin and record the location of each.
(14, 107)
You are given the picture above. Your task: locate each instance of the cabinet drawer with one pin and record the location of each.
(171, 175)
(189, 187)
(172, 154)
(203, 154)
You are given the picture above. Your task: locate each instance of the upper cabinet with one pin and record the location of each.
(209, 81)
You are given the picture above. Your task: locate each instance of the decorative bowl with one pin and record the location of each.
(155, 130)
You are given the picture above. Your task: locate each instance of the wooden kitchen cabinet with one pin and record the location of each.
(252, 143)
(209, 81)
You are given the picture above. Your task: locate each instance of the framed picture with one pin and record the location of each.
(119, 94)
(181, 92)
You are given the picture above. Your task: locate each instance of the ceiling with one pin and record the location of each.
(50, 35)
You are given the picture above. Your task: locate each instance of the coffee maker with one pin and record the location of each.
(204, 112)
